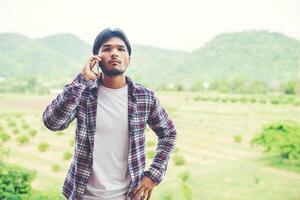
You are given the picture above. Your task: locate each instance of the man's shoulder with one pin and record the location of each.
(141, 89)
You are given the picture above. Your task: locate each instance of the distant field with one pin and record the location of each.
(219, 168)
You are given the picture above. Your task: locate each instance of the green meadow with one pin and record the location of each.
(213, 159)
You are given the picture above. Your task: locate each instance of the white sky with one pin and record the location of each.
(172, 24)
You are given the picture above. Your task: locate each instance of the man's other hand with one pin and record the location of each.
(143, 192)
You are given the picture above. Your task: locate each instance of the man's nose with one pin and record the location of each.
(114, 53)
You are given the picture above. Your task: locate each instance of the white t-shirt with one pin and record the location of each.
(110, 177)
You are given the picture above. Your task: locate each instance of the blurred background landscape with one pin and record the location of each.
(234, 96)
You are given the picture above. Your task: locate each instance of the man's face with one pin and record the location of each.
(114, 56)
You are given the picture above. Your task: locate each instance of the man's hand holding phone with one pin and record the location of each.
(88, 71)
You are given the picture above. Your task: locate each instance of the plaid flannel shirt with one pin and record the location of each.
(79, 100)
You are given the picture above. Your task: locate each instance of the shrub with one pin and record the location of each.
(72, 142)
(237, 138)
(16, 131)
(289, 87)
(56, 168)
(59, 133)
(176, 150)
(14, 181)
(253, 100)
(275, 101)
(151, 154)
(150, 143)
(233, 99)
(25, 126)
(186, 189)
(216, 98)
(243, 100)
(43, 147)
(225, 99)
(282, 139)
(4, 136)
(32, 132)
(18, 115)
(67, 155)
(23, 139)
(296, 103)
(167, 197)
(262, 100)
(179, 160)
(12, 123)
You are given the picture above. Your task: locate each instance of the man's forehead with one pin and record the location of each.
(114, 41)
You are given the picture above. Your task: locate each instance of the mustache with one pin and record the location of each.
(114, 60)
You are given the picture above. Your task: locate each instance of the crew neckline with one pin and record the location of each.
(124, 88)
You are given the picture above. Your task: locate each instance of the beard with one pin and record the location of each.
(111, 72)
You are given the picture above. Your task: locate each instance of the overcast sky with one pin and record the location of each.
(172, 24)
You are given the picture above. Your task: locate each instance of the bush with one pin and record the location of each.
(233, 99)
(151, 154)
(25, 126)
(12, 123)
(289, 87)
(237, 138)
(225, 99)
(43, 147)
(262, 100)
(253, 100)
(275, 101)
(32, 132)
(14, 181)
(67, 155)
(282, 139)
(72, 142)
(176, 150)
(243, 100)
(179, 160)
(4, 136)
(150, 143)
(186, 189)
(23, 139)
(296, 103)
(16, 131)
(59, 133)
(56, 168)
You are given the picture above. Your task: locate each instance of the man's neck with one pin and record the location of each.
(114, 82)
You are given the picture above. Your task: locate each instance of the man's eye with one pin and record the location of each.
(106, 49)
(121, 49)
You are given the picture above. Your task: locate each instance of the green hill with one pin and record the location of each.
(251, 55)
(271, 57)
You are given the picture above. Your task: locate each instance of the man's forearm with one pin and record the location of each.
(164, 149)
(62, 110)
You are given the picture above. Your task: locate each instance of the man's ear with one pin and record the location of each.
(129, 61)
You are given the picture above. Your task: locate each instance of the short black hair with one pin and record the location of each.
(107, 34)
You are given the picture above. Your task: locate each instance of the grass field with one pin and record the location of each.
(219, 167)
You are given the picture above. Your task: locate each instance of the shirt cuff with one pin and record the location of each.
(154, 174)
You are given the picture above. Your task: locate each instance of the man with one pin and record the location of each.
(112, 113)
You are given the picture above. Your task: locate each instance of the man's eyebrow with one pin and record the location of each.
(109, 45)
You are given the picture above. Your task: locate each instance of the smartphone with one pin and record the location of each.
(100, 64)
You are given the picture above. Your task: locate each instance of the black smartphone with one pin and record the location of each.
(100, 64)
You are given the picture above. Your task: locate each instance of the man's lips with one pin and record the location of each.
(114, 61)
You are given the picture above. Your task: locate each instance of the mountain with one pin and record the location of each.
(251, 55)
(21, 56)
(254, 55)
